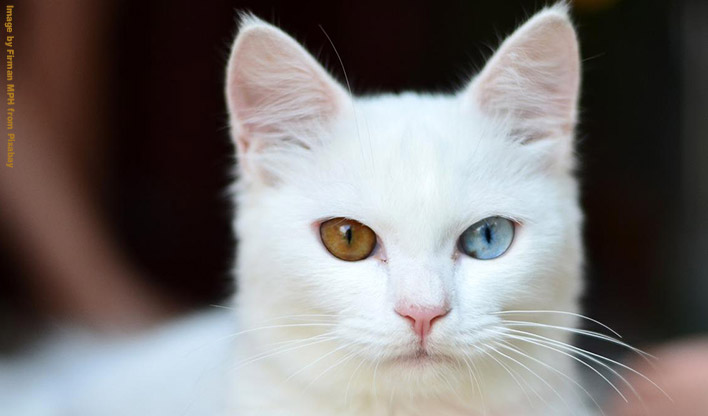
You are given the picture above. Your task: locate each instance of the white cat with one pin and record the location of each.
(412, 254)
(392, 246)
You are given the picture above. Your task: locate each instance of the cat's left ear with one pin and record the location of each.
(532, 80)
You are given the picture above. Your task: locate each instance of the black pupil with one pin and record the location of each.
(488, 233)
(348, 233)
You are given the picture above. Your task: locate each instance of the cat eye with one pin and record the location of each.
(487, 239)
(347, 239)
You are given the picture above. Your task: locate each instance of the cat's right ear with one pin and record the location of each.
(278, 96)
(531, 83)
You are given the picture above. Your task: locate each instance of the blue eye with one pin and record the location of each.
(487, 239)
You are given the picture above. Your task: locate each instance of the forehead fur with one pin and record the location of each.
(410, 163)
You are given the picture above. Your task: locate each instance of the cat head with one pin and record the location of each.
(394, 231)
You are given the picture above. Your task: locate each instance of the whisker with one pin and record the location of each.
(279, 351)
(577, 315)
(453, 389)
(589, 355)
(529, 340)
(509, 372)
(231, 337)
(338, 363)
(300, 316)
(246, 331)
(390, 399)
(582, 353)
(461, 368)
(373, 383)
(290, 341)
(346, 392)
(284, 346)
(228, 308)
(318, 360)
(349, 87)
(591, 334)
(474, 376)
(527, 383)
(512, 348)
(537, 376)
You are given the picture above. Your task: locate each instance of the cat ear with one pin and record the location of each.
(532, 80)
(277, 93)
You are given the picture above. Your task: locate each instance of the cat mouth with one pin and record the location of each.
(421, 358)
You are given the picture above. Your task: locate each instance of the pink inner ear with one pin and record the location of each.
(534, 77)
(275, 87)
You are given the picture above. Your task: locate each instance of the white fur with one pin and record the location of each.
(418, 169)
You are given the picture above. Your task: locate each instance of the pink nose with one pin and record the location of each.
(422, 317)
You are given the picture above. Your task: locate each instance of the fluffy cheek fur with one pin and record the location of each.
(287, 277)
(418, 170)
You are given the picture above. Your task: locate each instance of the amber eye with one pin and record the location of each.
(347, 239)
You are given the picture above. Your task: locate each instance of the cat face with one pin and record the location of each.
(418, 171)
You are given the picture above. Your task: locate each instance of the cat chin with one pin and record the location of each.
(421, 361)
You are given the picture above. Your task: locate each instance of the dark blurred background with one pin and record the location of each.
(159, 175)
